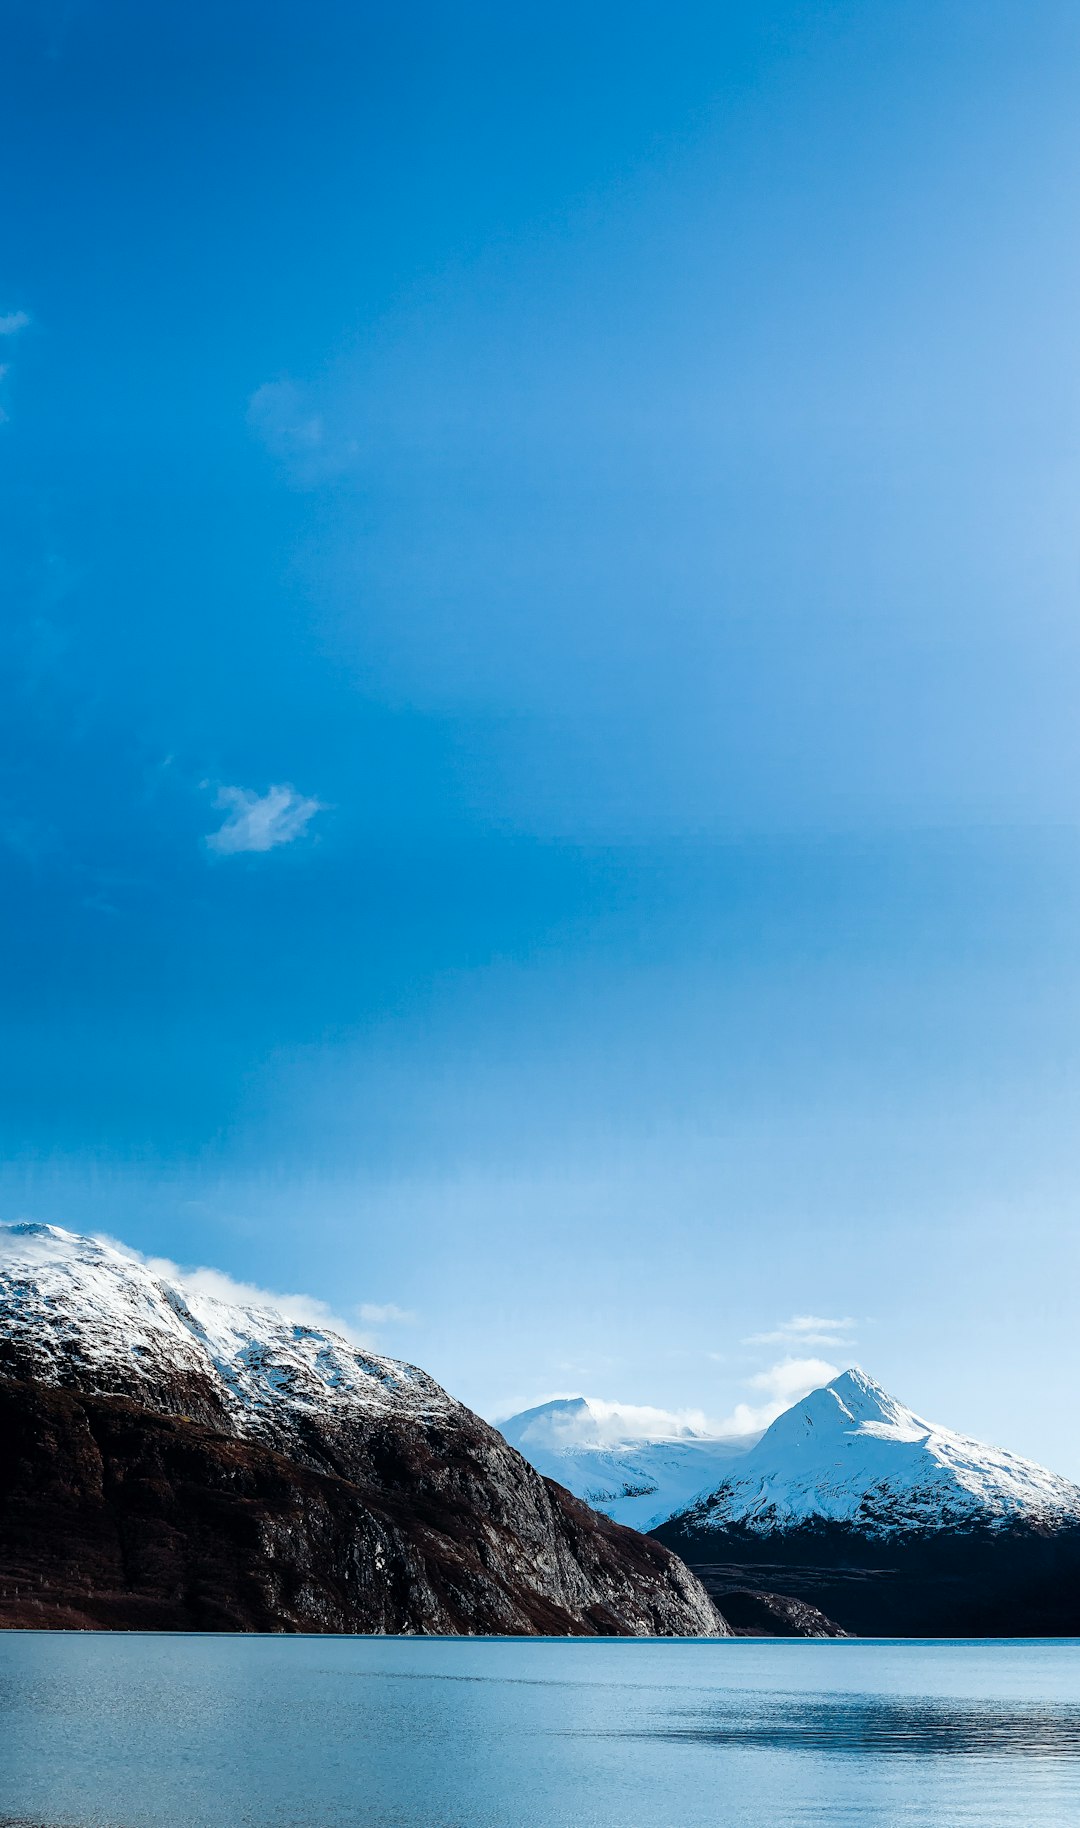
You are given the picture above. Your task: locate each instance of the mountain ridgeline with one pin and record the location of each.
(854, 1506)
(169, 1460)
(172, 1461)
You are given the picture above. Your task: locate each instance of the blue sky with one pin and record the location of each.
(538, 777)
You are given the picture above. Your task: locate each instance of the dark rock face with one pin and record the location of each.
(1009, 1582)
(776, 1615)
(113, 1515)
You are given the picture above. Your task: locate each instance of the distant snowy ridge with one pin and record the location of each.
(850, 1454)
(594, 1451)
(78, 1311)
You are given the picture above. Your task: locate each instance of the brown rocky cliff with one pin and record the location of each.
(114, 1515)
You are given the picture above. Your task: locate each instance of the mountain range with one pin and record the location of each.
(847, 1453)
(849, 1502)
(172, 1460)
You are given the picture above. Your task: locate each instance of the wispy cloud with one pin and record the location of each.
(807, 1330)
(385, 1314)
(302, 1310)
(260, 821)
(614, 1423)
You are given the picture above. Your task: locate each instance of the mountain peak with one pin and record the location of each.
(865, 1400)
(850, 1453)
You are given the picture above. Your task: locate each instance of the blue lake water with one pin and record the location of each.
(102, 1731)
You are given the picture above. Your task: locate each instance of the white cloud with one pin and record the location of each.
(384, 1314)
(612, 1424)
(783, 1384)
(260, 821)
(807, 1330)
(302, 1310)
(640, 1421)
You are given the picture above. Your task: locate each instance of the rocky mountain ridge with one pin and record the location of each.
(167, 1459)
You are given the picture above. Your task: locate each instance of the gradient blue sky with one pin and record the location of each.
(616, 470)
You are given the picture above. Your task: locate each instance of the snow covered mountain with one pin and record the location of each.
(598, 1451)
(170, 1460)
(80, 1312)
(851, 1455)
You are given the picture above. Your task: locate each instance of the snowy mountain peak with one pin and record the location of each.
(849, 1453)
(635, 1463)
(851, 1400)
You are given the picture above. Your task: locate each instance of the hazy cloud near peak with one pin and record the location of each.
(612, 1424)
(303, 1310)
(616, 1423)
(783, 1384)
(260, 821)
(385, 1313)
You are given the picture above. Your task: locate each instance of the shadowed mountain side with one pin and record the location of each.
(1022, 1582)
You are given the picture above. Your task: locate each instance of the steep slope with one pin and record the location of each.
(637, 1480)
(167, 1459)
(889, 1524)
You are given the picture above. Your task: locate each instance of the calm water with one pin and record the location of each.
(219, 1732)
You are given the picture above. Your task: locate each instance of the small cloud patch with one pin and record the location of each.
(260, 821)
(807, 1330)
(302, 1310)
(385, 1314)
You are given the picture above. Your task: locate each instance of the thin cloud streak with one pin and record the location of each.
(260, 822)
(385, 1314)
(302, 1310)
(807, 1330)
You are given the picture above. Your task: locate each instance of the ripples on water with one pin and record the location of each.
(190, 1732)
(865, 1724)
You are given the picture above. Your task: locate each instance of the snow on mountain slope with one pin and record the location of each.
(850, 1454)
(78, 1311)
(598, 1451)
